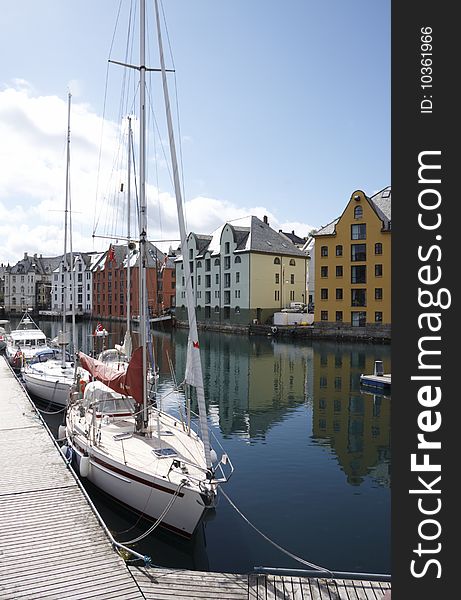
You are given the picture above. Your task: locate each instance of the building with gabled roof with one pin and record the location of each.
(243, 272)
(110, 272)
(353, 266)
(28, 284)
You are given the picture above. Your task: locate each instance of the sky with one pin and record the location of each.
(280, 109)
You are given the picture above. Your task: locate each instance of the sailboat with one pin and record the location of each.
(121, 438)
(50, 375)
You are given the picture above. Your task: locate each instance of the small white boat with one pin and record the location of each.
(378, 380)
(24, 342)
(49, 378)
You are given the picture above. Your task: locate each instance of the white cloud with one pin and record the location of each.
(33, 133)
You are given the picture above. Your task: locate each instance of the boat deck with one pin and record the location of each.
(52, 545)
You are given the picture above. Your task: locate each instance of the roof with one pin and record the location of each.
(250, 235)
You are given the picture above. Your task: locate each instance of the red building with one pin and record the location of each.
(110, 275)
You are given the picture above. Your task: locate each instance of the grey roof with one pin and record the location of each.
(155, 257)
(382, 204)
(327, 229)
(266, 239)
(295, 239)
(38, 264)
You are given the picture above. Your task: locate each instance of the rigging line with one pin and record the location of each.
(96, 220)
(161, 517)
(177, 108)
(287, 552)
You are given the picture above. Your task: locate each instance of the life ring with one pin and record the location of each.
(274, 329)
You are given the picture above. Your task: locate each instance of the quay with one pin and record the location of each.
(53, 546)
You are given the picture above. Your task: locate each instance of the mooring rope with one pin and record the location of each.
(284, 550)
(160, 518)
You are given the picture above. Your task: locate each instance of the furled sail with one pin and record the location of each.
(128, 383)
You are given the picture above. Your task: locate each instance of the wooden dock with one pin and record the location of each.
(52, 545)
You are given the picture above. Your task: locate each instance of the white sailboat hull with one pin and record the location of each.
(146, 495)
(48, 389)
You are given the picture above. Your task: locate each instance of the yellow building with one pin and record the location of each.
(353, 267)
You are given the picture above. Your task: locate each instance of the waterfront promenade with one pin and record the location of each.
(53, 546)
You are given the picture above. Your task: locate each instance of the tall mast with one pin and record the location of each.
(194, 365)
(128, 257)
(66, 210)
(143, 209)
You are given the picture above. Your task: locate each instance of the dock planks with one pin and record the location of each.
(52, 545)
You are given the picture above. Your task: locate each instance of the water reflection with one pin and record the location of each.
(355, 424)
(311, 452)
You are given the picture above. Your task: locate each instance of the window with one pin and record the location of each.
(237, 293)
(378, 316)
(227, 262)
(358, 319)
(207, 297)
(199, 279)
(378, 248)
(199, 264)
(207, 281)
(339, 293)
(324, 294)
(227, 247)
(237, 277)
(323, 271)
(359, 232)
(359, 297)
(339, 316)
(237, 259)
(292, 278)
(378, 293)
(191, 254)
(339, 250)
(359, 274)
(216, 309)
(378, 270)
(339, 271)
(276, 260)
(324, 251)
(324, 315)
(207, 312)
(227, 280)
(217, 262)
(216, 278)
(358, 252)
(277, 278)
(277, 295)
(227, 297)
(237, 310)
(358, 212)
(292, 262)
(292, 295)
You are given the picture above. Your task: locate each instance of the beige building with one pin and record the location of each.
(242, 272)
(353, 266)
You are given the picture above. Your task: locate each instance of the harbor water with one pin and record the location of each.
(311, 452)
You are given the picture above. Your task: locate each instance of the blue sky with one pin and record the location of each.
(284, 110)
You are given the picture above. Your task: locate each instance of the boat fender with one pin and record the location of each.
(84, 467)
(213, 455)
(274, 329)
(67, 452)
(61, 432)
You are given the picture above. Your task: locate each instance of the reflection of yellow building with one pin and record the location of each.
(353, 265)
(356, 425)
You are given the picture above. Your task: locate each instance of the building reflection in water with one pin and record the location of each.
(355, 424)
